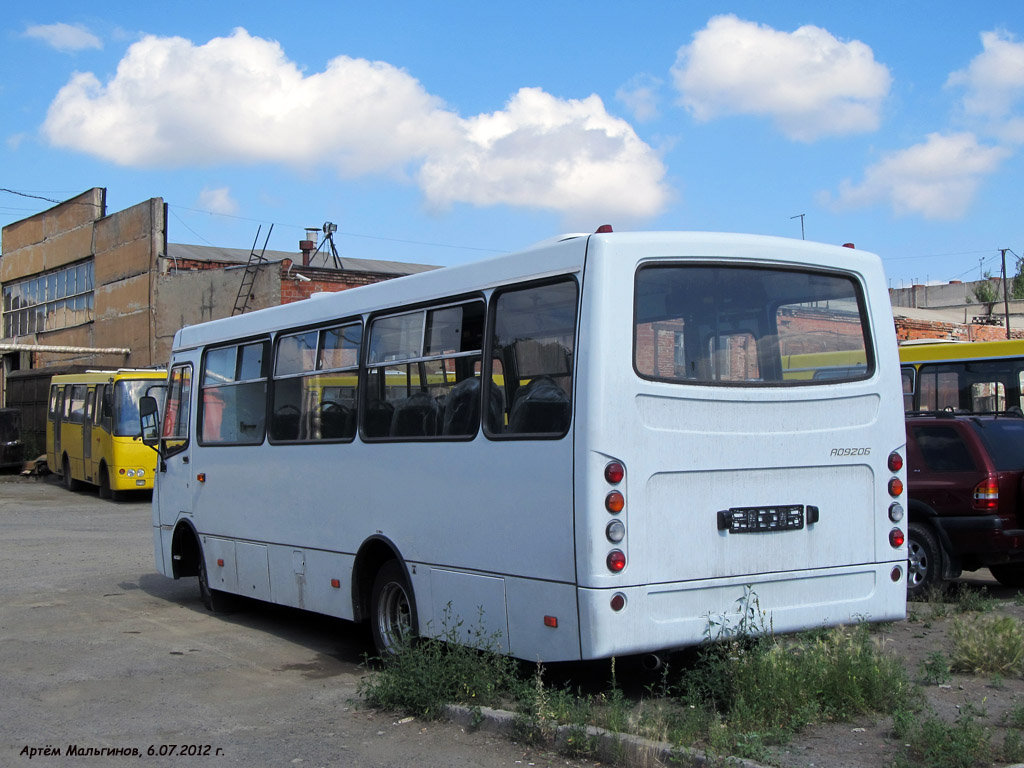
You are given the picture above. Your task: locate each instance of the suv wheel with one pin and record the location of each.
(1009, 574)
(924, 560)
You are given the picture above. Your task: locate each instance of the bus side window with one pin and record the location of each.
(423, 370)
(907, 374)
(54, 408)
(316, 376)
(534, 336)
(76, 406)
(234, 394)
(90, 406)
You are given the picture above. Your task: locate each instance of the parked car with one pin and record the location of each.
(12, 451)
(965, 497)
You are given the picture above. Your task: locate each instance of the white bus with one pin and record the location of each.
(583, 450)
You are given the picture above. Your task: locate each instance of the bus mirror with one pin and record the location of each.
(149, 416)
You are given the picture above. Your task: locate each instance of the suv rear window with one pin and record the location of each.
(1004, 439)
(943, 449)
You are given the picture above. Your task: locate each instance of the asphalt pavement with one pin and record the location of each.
(103, 661)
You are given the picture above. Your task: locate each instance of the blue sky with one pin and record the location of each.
(442, 133)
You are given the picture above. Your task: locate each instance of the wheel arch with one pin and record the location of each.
(921, 513)
(372, 555)
(185, 550)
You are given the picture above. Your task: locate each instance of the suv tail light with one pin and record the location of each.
(986, 494)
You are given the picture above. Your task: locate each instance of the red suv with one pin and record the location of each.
(966, 505)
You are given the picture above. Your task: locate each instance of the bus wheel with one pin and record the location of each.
(392, 610)
(214, 600)
(69, 482)
(924, 560)
(104, 483)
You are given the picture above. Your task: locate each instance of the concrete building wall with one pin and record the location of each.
(123, 247)
(187, 297)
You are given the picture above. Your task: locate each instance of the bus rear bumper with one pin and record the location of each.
(675, 615)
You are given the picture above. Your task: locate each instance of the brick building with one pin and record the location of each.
(86, 289)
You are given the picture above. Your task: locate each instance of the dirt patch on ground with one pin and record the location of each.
(921, 643)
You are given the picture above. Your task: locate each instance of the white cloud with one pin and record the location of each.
(540, 151)
(640, 95)
(218, 200)
(994, 83)
(64, 37)
(807, 81)
(239, 99)
(936, 179)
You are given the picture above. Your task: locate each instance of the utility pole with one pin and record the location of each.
(1006, 301)
(801, 217)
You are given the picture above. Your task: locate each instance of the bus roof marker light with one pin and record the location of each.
(604, 229)
(614, 472)
(616, 561)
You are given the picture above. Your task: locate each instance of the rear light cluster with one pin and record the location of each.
(895, 487)
(614, 503)
(986, 494)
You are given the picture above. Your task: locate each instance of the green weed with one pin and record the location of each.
(993, 644)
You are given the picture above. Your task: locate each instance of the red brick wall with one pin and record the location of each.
(930, 329)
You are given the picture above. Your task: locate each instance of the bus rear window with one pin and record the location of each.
(725, 325)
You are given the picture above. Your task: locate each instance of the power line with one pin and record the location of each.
(347, 234)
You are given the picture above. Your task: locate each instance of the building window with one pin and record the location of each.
(49, 301)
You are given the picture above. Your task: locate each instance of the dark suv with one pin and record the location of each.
(965, 498)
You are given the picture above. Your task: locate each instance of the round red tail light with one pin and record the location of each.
(895, 487)
(614, 473)
(618, 602)
(896, 537)
(895, 462)
(614, 502)
(616, 561)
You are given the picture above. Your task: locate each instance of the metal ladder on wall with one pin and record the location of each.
(252, 269)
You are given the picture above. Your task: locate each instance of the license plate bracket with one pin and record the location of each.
(768, 519)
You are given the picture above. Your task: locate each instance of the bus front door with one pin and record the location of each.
(173, 491)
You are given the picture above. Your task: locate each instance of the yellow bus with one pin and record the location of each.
(92, 430)
(971, 376)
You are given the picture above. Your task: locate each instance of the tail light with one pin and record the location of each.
(616, 561)
(895, 462)
(986, 494)
(895, 487)
(896, 538)
(614, 502)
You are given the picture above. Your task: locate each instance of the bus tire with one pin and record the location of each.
(924, 560)
(105, 492)
(69, 482)
(392, 610)
(214, 600)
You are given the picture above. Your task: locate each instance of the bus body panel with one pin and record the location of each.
(691, 451)
(658, 616)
